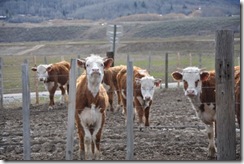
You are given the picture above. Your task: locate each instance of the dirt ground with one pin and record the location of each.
(175, 134)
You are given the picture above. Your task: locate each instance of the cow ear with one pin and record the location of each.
(177, 76)
(107, 62)
(157, 82)
(34, 69)
(49, 68)
(81, 63)
(204, 76)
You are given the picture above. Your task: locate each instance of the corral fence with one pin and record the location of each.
(223, 62)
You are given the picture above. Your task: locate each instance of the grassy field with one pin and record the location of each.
(178, 38)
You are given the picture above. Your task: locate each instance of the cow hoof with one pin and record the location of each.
(50, 108)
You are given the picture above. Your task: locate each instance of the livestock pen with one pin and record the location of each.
(175, 133)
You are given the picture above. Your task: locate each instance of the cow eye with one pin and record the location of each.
(196, 83)
(102, 65)
(87, 65)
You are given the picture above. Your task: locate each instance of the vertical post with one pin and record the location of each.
(114, 38)
(45, 59)
(200, 60)
(78, 69)
(190, 58)
(26, 111)
(130, 112)
(71, 111)
(36, 82)
(225, 104)
(1, 83)
(110, 55)
(178, 65)
(166, 70)
(149, 63)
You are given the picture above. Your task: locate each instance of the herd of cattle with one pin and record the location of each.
(96, 86)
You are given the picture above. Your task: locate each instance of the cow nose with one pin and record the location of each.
(190, 92)
(41, 79)
(147, 98)
(95, 70)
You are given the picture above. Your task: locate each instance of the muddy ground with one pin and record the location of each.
(175, 134)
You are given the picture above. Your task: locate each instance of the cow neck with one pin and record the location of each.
(93, 92)
(196, 101)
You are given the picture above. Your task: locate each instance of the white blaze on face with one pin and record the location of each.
(191, 81)
(95, 72)
(42, 73)
(147, 87)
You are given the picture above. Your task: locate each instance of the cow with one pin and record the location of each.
(54, 76)
(110, 84)
(199, 86)
(143, 90)
(91, 104)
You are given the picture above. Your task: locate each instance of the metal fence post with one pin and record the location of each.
(1, 83)
(26, 111)
(71, 111)
(225, 100)
(130, 112)
(166, 70)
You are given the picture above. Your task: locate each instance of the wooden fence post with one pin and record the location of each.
(190, 58)
(71, 111)
(166, 70)
(178, 66)
(26, 111)
(225, 100)
(1, 83)
(130, 111)
(200, 60)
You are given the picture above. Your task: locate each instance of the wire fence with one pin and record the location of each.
(10, 75)
(12, 97)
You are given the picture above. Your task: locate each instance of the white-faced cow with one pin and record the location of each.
(199, 86)
(91, 105)
(54, 76)
(143, 91)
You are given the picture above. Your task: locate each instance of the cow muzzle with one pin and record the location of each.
(190, 92)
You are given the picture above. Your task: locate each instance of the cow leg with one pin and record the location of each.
(63, 97)
(211, 140)
(51, 96)
(81, 154)
(119, 100)
(146, 112)
(88, 145)
(111, 97)
(96, 136)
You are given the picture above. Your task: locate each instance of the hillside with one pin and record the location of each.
(37, 11)
(71, 30)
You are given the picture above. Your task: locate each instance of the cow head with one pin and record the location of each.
(148, 84)
(94, 66)
(192, 78)
(42, 71)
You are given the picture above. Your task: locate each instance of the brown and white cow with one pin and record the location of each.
(110, 84)
(143, 90)
(91, 105)
(199, 86)
(54, 76)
